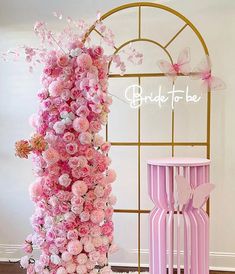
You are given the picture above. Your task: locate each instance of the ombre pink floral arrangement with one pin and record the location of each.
(72, 192)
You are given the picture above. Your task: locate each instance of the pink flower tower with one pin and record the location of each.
(179, 188)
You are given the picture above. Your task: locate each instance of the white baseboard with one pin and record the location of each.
(222, 261)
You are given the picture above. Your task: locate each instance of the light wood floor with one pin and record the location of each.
(14, 268)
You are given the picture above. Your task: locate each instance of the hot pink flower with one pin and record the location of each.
(71, 148)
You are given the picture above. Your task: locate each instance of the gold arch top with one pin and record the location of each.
(139, 144)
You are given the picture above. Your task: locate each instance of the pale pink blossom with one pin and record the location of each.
(80, 124)
(56, 88)
(84, 61)
(97, 216)
(51, 156)
(85, 138)
(82, 258)
(79, 188)
(24, 261)
(64, 180)
(74, 247)
(59, 127)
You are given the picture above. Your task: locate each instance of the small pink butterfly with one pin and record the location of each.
(182, 65)
(185, 192)
(203, 71)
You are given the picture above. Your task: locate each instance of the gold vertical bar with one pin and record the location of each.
(139, 21)
(139, 205)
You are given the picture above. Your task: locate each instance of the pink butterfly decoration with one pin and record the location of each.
(199, 195)
(182, 65)
(203, 71)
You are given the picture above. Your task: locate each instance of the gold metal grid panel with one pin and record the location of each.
(139, 144)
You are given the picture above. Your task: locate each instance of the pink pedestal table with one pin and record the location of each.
(169, 221)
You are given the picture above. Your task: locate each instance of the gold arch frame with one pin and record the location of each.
(172, 144)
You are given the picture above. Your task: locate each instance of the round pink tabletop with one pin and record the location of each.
(179, 161)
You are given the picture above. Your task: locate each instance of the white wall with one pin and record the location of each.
(215, 20)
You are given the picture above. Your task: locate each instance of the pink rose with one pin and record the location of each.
(64, 180)
(70, 267)
(111, 176)
(99, 191)
(50, 156)
(72, 148)
(97, 216)
(35, 190)
(85, 138)
(88, 246)
(62, 61)
(80, 124)
(79, 188)
(98, 140)
(56, 88)
(95, 126)
(94, 256)
(82, 258)
(66, 256)
(61, 270)
(84, 216)
(74, 247)
(68, 137)
(72, 234)
(83, 230)
(84, 61)
(82, 111)
(105, 147)
(59, 127)
(81, 269)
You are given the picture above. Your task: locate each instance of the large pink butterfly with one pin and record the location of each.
(203, 71)
(182, 65)
(199, 195)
